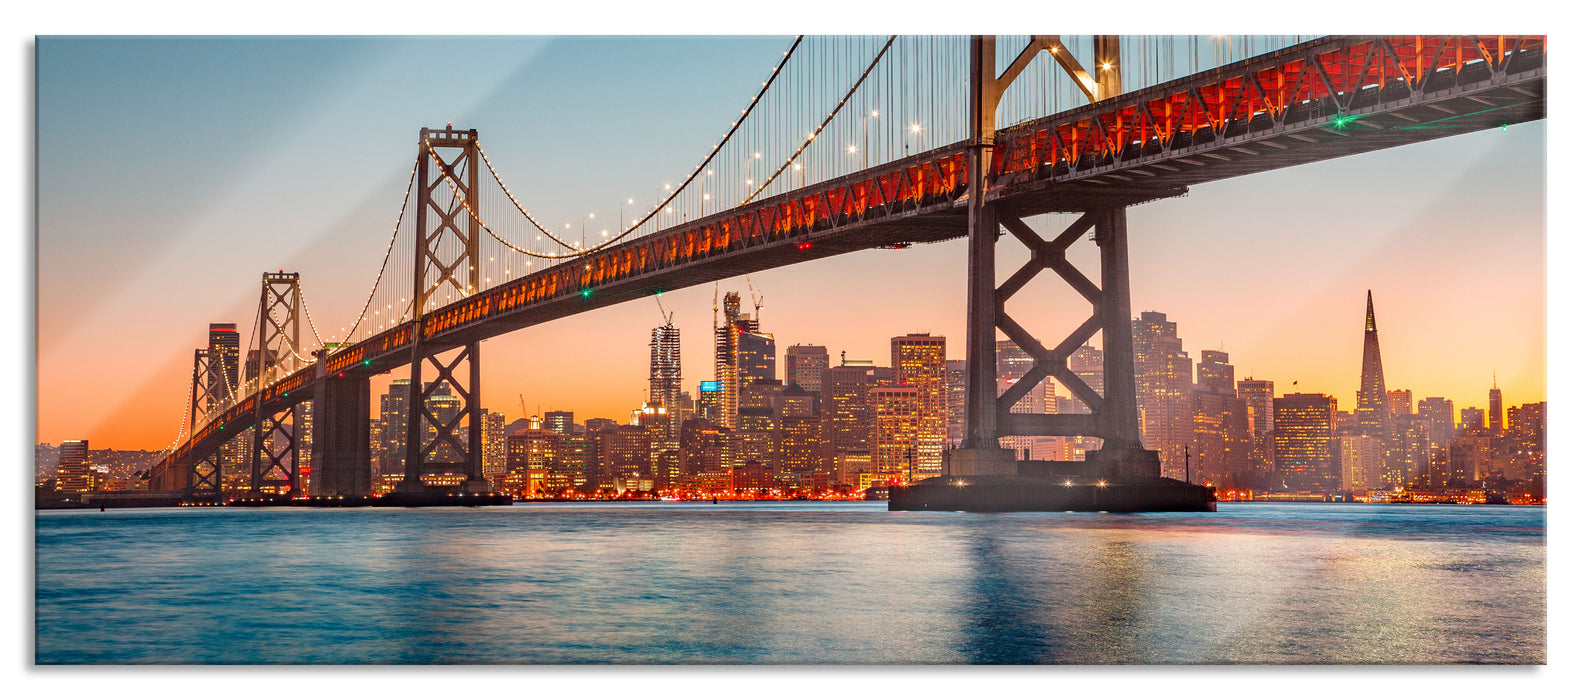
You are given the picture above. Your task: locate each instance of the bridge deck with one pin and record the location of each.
(1316, 101)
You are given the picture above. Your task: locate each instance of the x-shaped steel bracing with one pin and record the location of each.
(275, 451)
(1049, 362)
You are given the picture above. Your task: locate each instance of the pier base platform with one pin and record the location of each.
(988, 494)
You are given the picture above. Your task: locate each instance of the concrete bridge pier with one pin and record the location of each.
(340, 462)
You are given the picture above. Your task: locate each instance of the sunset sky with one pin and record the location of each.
(172, 172)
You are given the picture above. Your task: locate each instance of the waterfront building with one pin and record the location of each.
(1360, 462)
(1526, 432)
(1220, 442)
(494, 447)
(955, 401)
(704, 452)
(918, 360)
(1304, 425)
(897, 420)
(849, 408)
(1164, 390)
(623, 457)
(73, 473)
(1259, 396)
(393, 410)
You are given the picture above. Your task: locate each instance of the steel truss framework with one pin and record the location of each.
(203, 477)
(447, 193)
(275, 460)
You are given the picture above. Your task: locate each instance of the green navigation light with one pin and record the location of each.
(587, 293)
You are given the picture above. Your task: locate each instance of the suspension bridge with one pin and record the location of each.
(850, 143)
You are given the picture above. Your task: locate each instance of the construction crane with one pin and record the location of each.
(758, 301)
(663, 312)
(524, 408)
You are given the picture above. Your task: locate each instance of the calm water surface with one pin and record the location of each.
(794, 583)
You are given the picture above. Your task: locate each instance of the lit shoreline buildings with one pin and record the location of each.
(839, 428)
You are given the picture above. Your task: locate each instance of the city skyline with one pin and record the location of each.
(1453, 307)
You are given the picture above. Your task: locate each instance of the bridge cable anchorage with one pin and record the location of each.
(827, 120)
(411, 179)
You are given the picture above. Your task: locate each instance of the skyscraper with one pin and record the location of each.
(73, 473)
(1400, 404)
(1215, 373)
(897, 421)
(849, 409)
(1088, 363)
(1164, 390)
(1259, 395)
(1221, 442)
(710, 402)
(444, 406)
(664, 374)
(559, 421)
(393, 409)
(1304, 425)
(1373, 402)
(493, 443)
(225, 351)
(919, 361)
(955, 401)
(1011, 363)
(1441, 415)
(805, 367)
(1472, 418)
(741, 355)
(1496, 413)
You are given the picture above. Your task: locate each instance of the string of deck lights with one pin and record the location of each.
(394, 233)
(637, 224)
(663, 206)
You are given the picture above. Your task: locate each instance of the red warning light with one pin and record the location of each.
(803, 246)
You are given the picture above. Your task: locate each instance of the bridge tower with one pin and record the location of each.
(203, 472)
(989, 417)
(446, 269)
(275, 458)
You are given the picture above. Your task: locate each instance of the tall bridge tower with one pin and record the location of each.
(445, 269)
(989, 417)
(275, 436)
